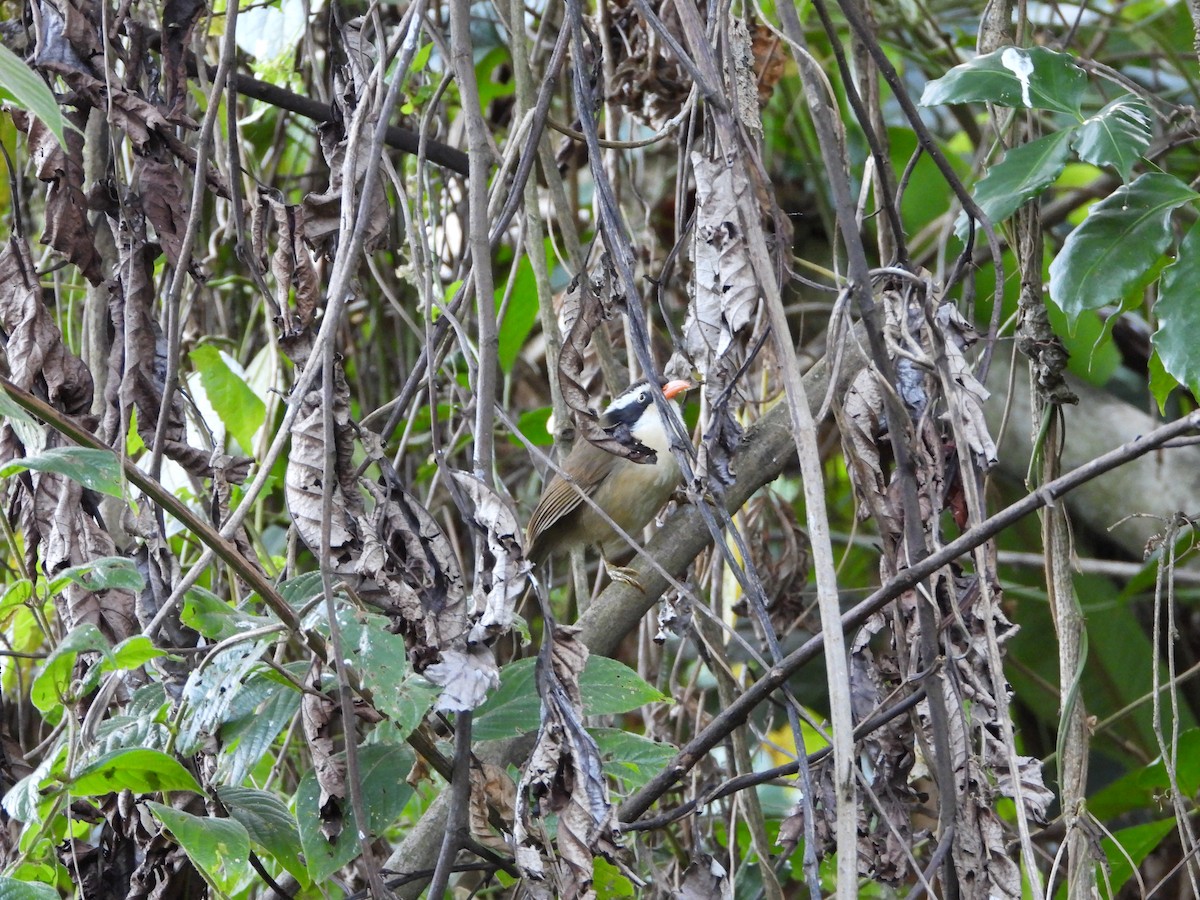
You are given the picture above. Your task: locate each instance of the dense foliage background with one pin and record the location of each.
(302, 301)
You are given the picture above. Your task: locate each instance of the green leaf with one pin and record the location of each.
(29, 92)
(1117, 244)
(1136, 843)
(138, 770)
(1162, 383)
(534, 425)
(218, 847)
(631, 757)
(608, 688)
(268, 823)
(210, 691)
(132, 653)
(1023, 174)
(50, 689)
(12, 889)
(1139, 788)
(1116, 136)
(99, 470)
(1178, 312)
(520, 314)
(384, 791)
(215, 618)
(381, 659)
(237, 405)
(257, 713)
(1036, 78)
(103, 574)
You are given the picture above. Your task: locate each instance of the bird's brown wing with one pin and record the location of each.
(587, 465)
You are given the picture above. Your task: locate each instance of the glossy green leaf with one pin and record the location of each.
(1139, 788)
(237, 405)
(534, 426)
(608, 688)
(1034, 78)
(1178, 313)
(132, 653)
(384, 791)
(1116, 136)
(1117, 244)
(13, 889)
(1161, 382)
(1023, 174)
(269, 824)
(28, 91)
(1136, 843)
(218, 847)
(138, 770)
(99, 470)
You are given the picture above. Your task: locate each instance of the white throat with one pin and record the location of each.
(649, 430)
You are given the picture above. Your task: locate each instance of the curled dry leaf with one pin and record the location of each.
(500, 566)
(297, 285)
(491, 789)
(305, 478)
(723, 307)
(318, 715)
(648, 79)
(965, 395)
(138, 361)
(68, 229)
(323, 211)
(35, 348)
(178, 20)
(160, 187)
(705, 879)
(586, 306)
(564, 776)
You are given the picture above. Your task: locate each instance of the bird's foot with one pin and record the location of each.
(623, 574)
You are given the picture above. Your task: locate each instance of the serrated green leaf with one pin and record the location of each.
(138, 770)
(29, 92)
(99, 470)
(1117, 244)
(1023, 174)
(269, 824)
(608, 688)
(236, 404)
(218, 847)
(1034, 78)
(1178, 312)
(13, 889)
(1116, 136)
(384, 791)
(50, 687)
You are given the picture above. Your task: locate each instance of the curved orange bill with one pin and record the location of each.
(673, 389)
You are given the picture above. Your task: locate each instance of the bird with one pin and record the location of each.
(630, 493)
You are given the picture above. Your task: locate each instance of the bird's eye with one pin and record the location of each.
(642, 398)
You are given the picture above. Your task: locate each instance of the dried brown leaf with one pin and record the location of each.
(500, 566)
(68, 229)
